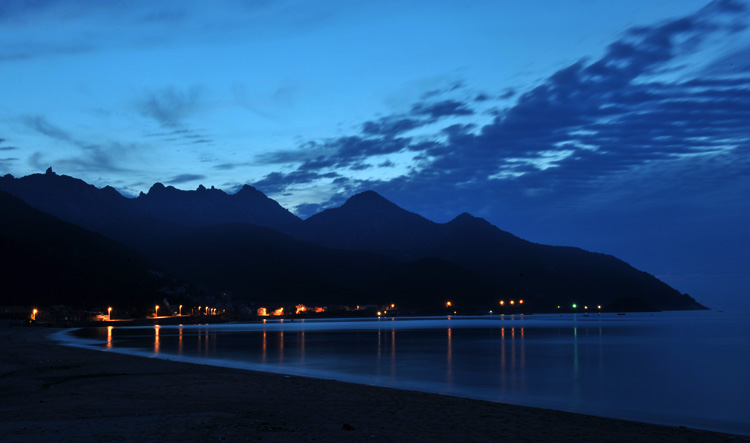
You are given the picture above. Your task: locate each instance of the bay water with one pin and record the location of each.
(689, 368)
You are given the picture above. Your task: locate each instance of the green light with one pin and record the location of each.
(575, 305)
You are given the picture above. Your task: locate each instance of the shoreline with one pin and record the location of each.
(51, 391)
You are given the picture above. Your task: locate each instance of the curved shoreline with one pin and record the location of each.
(62, 392)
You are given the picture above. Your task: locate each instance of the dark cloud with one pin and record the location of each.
(94, 157)
(8, 148)
(185, 178)
(390, 127)
(360, 167)
(508, 93)
(181, 136)
(344, 152)
(276, 182)
(440, 91)
(225, 166)
(170, 106)
(589, 123)
(82, 13)
(378, 137)
(44, 127)
(27, 51)
(445, 108)
(421, 114)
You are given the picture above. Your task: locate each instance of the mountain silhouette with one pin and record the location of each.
(47, 261)
(367, 221)
(551, 275)
(272, 267)
(205, 207)
(367, 249)
(105, 210)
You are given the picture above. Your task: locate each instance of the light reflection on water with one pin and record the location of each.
(673, 368)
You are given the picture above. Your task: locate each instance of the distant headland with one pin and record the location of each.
(87, 249)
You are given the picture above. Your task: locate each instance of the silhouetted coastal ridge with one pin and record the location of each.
(368, 251)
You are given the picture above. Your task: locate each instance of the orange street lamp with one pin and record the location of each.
(180, 310)
(448, 304)
(520, 302)
(206, 310)
(33, 314)
(156, 311)
(502, 302)
(513, 302)
(109, 314)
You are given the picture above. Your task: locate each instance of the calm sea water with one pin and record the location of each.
(676, 368)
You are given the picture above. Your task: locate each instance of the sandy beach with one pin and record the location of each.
(51, 392)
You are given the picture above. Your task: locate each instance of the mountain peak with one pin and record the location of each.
(369, 199)
(367, 195)
(368, 221)
(110, 190)
(465, 218)
(247, 190)
(156, 187)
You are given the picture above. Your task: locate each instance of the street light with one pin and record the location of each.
(109, 314)
(33, 314)
(156, 312)
(180, 310)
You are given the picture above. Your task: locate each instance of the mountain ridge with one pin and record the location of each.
(48, 261)
(367, 222)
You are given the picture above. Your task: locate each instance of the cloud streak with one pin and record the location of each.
(170, 107)
(185, 178)
(589, 122)
(97, 157)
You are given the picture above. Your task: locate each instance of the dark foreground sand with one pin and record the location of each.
(50, 392)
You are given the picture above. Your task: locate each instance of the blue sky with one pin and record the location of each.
(618, 126)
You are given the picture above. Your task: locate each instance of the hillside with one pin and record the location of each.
(47, 261)
(367, 249)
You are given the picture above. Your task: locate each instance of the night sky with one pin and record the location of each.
(619, 126)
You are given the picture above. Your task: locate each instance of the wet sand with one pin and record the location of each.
(50, 392)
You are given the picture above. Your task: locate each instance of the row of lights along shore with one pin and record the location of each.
(585, 308)
(212, 311)
(201, 311)
(449, 304)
